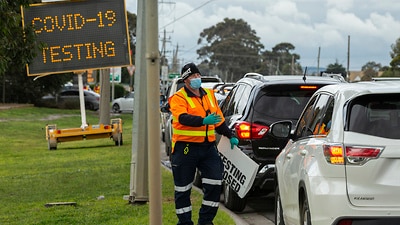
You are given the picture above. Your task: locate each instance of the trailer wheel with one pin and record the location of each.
(51, 144)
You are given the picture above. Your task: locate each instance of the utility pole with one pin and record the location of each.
(164, 63)
(153, 110)
(319, 52)
(104, 96)
(145, 163)
(175, 62)
(139, 162)
(348, 59)
(292, 64)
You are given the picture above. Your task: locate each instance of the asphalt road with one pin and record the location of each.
(259, 210)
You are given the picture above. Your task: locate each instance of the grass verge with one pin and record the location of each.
(80, 171)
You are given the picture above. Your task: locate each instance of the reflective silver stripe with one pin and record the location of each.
(210, 203)
(211, 181)
(184, 188)
(183, 210)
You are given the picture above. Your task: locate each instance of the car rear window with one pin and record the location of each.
(281, 102)
(376, 115)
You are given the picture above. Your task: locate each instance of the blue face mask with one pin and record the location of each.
(195, 83)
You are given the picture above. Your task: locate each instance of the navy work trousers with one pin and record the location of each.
(185, 159)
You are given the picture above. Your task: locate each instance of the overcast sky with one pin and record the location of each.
(373, 26)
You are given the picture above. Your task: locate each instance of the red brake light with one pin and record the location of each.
(334, 154)
(358, 155)
(345, 222)
(246, 130)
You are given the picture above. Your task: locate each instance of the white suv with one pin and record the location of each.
(342, 163)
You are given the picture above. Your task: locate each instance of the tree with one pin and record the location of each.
(336, 68)
(230, 46)
(395, 63)
(370, 69)
(13, 43)
(132, 18)
(18, 47)
(280, 60)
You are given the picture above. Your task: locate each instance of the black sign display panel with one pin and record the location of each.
(79, 35)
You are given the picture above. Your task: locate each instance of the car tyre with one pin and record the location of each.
(116, 108)
(232, 200)
(305, 215)
(278, 208)
(167, 150)
(89, 106)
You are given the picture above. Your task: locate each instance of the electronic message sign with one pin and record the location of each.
(79, 35)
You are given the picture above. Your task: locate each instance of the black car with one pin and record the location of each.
(256, 102)
(69, 99)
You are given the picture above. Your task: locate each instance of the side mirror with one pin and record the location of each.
(281, 129)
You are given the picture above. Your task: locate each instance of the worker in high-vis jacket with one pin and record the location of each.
(196, 117)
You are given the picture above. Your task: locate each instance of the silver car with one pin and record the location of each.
(341, 165)
(123, 104)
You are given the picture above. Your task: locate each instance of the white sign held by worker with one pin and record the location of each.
(239, 170)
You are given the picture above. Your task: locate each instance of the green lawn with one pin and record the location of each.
(78, 171)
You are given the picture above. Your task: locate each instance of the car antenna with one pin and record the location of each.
(305, 72)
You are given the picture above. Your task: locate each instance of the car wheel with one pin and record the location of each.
(89, 106)
(232, 200)
(167, 150)
(162, 136)
(116, 108)
(305, 216)
(278, 208)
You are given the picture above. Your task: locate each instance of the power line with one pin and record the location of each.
(186, 14)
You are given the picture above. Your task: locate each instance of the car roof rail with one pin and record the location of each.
(336, 76)
(254, 75)
(385, 78)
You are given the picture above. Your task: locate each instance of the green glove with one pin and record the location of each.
(212, 119)
(234, 141)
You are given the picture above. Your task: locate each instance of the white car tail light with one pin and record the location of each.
(355, 155)
(358, 155)
(334, 154)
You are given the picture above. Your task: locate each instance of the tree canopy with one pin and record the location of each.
(229, 45)
(336, 68)
(280, 60)
(19, 46)
(16, 48)
(370, 69)
(395, 54)
(234, 48)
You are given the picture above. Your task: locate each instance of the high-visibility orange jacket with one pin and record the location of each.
(188, 112)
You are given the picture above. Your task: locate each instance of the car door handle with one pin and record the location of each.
(289, 156)
(303, 152)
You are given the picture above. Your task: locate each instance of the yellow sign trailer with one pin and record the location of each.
(113, 131)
